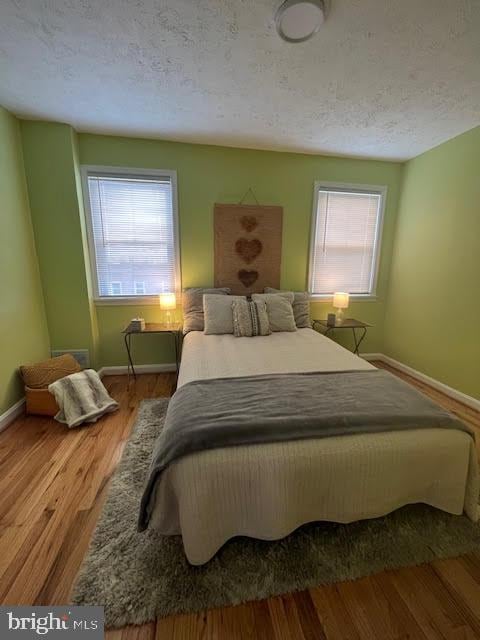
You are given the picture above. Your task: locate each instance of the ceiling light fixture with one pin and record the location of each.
(299, 20)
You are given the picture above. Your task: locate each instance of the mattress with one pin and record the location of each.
(266, 491)
(224, 356)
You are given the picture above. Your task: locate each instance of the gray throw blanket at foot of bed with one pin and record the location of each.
(227, 412)
(81, 397)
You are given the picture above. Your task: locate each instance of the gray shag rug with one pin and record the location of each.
(138, 577)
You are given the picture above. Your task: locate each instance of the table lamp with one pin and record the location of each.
(168, 301)
(340, 302)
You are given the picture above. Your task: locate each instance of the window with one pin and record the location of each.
(133, 231)
(139, 288)
(115, 288)
(345, 241)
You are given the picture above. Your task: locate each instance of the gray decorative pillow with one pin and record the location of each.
(218, 314)
(250, 318)
(279, 310)
(193, 307)
(301, 307)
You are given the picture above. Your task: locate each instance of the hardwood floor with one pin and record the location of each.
(53, 483)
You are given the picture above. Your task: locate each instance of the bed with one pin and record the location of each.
(268, 490)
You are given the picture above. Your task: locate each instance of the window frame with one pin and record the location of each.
(86, 170)
(345, 187)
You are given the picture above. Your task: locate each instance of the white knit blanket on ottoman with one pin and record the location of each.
(81, 398)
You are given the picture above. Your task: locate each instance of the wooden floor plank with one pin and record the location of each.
(312, 627)
(237, 623)
(431, 604)
(398, 615)
(278, 616)
(366, 610)
(463, 588)
(293, 617)
(335, 618)
(53, 483)
(188, 627)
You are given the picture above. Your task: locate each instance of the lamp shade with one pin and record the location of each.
(340, 300)
(168, 301)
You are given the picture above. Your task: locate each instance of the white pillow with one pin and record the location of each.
(301, 307)
(279, 309)
(192, 303)
(218, 313)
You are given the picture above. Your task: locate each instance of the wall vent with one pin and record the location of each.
(82, 356)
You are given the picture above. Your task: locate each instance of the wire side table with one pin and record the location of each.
(174, 329)
(348, 323)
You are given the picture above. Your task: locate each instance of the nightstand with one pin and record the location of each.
(347, 323)
(174, 329)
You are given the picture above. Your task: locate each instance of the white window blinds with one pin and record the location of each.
(132, 233)
(345, 242)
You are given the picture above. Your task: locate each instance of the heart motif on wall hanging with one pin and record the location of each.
(249, 223)
(247, 278)
(248, 250)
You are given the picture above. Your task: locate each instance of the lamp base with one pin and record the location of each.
(339, 317)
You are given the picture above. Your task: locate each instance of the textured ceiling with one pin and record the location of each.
(382, 78)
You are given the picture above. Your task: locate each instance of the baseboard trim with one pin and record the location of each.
(470, 401)
(18, 408)
(372, 356)
(139, 368)
(11, 414)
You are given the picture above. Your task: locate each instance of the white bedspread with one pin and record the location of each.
(266, 491)
(226, 356)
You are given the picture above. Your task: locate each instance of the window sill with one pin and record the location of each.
(353, 298)
(139, 301)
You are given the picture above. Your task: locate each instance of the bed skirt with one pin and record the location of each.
(267, 491)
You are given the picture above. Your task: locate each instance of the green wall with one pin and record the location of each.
(208, 174)
(23, 327)
(428, 321)
(51, 168)
(433, 310)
